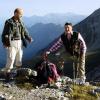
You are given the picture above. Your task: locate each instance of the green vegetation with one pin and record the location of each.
(82, 93)
(26, 86)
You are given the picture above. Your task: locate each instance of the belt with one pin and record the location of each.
(15, 39)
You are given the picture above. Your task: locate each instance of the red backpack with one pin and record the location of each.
(47, 72)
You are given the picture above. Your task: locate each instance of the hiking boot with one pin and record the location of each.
(8, 76)
(18, 67)
(6, 70)
(80, 81)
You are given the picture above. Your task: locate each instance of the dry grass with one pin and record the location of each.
(82, 93)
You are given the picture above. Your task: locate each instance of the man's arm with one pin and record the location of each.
(5, 34)
(26, 33)
(56, 46)
(83, 45)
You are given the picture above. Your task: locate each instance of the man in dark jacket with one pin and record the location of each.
(75, 46)
(14, 37)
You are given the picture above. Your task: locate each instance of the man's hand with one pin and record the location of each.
(47, 52)
(45, 55)
(30, 40)
(5, 46)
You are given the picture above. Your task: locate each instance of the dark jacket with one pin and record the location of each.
(9, 29)
(69, 44)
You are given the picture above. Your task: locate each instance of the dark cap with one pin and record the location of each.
(68, 24)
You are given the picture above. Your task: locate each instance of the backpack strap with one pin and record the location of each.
(75, 36)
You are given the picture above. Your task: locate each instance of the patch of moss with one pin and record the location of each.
(82, 93)
(26, 86)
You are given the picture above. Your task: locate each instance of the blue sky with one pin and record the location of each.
(42, 7)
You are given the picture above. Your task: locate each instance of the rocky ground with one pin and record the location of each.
(27, 91)
(64, 89)
(14, 92)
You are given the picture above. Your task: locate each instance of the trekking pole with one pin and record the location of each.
(73, 67)
(77, 72)
(77, 66)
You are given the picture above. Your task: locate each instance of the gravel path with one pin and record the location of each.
(14, 92)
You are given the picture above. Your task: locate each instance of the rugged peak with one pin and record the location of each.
(90, 29)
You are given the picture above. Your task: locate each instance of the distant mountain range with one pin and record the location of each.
(58, 19)
(1, 24)
(43, 34)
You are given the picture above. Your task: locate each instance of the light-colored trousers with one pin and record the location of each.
(14, 54)
(80, 65)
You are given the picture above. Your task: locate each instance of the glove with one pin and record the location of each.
(48, 52)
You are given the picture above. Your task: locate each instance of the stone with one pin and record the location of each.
(69, 89)
(92, 92)
(66, 80)
(7, 85)
(53, 98)
(34, 73)
(87, 83)
(58, 85)
(2, 97)
(25, 74)
(63, 98)
(97, 90)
